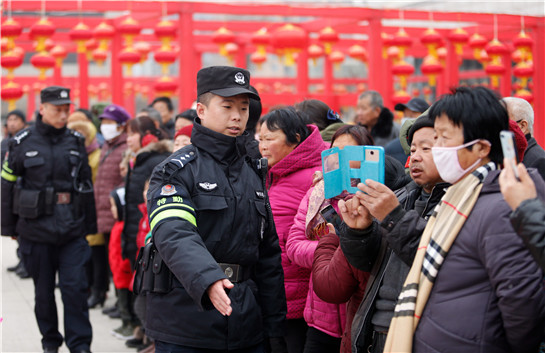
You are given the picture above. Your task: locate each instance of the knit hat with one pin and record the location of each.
(18, 114)
(186, 130)
(116, 113)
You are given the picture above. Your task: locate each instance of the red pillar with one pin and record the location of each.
(505, 83)
(57, 75)
(117, 71)
(302, 73)
(83, 80)
(188, 64)
(452, 70)
(240, 60)
(539, 83)
(376, 62)
(31, 106)
(328, 76)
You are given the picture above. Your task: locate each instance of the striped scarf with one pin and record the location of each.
(442, 229)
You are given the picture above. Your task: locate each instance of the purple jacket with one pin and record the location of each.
(489, 295)
(107, 179)
(288, 182)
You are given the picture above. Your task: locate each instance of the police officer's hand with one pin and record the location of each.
(218, 296)
(377, 198)
(354, 214)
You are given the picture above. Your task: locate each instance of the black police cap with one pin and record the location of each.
(224, 81)
(55, 95)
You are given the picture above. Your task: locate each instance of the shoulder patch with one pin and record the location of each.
(168, 190)
(19, 137)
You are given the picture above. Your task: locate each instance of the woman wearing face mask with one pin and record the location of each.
(113, 120)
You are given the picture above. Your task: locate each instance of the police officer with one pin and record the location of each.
(212, 226)
(47, 202)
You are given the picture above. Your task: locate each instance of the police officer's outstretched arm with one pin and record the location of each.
(174, 225)
(10, 172)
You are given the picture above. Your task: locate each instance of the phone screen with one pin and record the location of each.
(331, 216)
(507, 139)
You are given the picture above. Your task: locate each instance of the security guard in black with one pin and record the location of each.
(47, 202)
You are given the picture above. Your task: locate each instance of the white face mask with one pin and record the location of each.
(109, 131)
(447, 163)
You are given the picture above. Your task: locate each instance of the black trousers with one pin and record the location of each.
(296, 335)
(321, 342)
(42, 262)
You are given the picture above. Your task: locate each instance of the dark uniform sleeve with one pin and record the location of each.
(173, 224)
(10, 172)
(87, 198)
(361, 246)
(270, 281)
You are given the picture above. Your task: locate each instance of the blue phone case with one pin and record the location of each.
(338, 176)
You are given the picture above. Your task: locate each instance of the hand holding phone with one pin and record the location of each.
(331, 216)
(507, 139)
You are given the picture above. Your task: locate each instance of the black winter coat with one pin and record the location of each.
(369, 250)
(207, 205)
(534, 156)
(528, 220)
(146, 159)
(39, 157)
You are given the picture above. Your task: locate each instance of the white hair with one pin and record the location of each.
(521, 109)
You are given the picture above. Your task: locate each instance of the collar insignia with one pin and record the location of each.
(168, 190)
(208, 186)
(260, 194)
(31, 153)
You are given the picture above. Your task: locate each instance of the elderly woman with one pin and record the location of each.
(293, 150)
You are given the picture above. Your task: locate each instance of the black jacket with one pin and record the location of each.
(534, 156)
(208, 205)
(528, 220)
(146, 159)
(42, 157)
(376, 250)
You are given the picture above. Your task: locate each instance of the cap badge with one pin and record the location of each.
(64, 94)
(168, 190)
(239, 78)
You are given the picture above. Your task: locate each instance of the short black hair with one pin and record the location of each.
(165, 100)
(255, 112)
(316, 110)
(480, 113)
(291, 122)
(189, 114)
(205, 98)
(18, 114)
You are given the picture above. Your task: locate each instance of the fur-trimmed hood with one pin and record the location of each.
(161, 146)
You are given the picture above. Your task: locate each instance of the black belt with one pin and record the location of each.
(236, 273)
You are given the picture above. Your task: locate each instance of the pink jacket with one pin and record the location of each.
(288, 181)
(328, 318)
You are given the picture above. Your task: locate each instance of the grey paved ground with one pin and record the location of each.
(18, 328)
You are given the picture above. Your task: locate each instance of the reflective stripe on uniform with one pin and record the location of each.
(6, 168)
(9, 177)
(173, 213)
(169, 206)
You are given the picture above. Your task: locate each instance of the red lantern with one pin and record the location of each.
(403, 70)
(315, 52)
(393, 53)
(496, 49)
(128, 57)
(401, 96)
(104, 34)
(442, 54)
(221, 37)
(129, 29)
(90, 46)
(477, 43)
(358, 52)
(387, 42)
(289, 39)
(43, 61)
(166, 32)
(431, 67)
(525, 94)
(458, 37)
(231, 49)
(11, 92)
(258, 58)
(518, 56)
(165, 86)
(328, 37)
(10, 61)
(99, 56)
(524, 43)
(59, 53)
(165, 58)
(80, 34)
(336, 57)
(432, 40)
(402, 41)
(4, 43)
(495, 70)
(524, 71)
(40, 31)
(11, 29)
(261, 39)
(143, 48)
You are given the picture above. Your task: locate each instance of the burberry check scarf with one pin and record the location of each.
(442, 229)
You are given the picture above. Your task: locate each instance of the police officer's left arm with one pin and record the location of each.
(270, 281)
(10, 171)
(85, 181)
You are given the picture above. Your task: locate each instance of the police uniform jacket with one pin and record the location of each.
(207, 205)
(43, 157)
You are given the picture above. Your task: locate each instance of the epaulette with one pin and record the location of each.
(178, 160)
(21, 135)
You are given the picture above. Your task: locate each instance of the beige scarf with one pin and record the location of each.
(442, 229)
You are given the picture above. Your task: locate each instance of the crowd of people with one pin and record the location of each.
(208, 223)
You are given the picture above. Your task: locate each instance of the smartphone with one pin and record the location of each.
(331, 216)
(507, 139)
